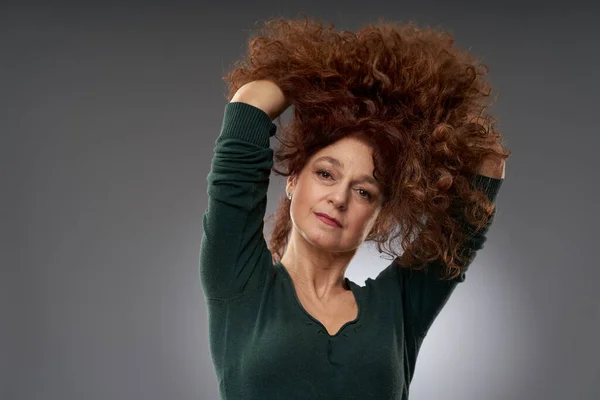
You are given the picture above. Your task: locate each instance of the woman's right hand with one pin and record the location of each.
(263, 94)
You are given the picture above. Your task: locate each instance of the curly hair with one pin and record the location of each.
(416, 98)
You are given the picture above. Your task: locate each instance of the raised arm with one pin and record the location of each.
(234, 256)
(423, 293)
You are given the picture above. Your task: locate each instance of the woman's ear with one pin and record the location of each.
(291, 183)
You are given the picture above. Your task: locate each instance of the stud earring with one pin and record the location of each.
(289, 195)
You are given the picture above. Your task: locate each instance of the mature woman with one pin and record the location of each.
(388, 143)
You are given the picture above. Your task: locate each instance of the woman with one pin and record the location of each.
(388, 143)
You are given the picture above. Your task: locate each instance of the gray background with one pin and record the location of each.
(108, 115)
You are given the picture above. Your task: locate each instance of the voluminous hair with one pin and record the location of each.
(416, 98)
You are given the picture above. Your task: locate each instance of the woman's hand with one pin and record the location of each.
(263, 94)
(493, 167)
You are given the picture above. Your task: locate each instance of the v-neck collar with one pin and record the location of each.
(353, 288)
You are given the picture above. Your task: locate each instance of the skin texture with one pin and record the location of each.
(263, 94)
(318, 255)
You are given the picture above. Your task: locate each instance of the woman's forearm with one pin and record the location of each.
(492, 167)
(263, 94)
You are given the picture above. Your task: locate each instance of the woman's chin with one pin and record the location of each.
(328, 242)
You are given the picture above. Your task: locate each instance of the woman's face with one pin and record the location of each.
(337, 181)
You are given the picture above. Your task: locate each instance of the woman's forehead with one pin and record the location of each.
(347, 149)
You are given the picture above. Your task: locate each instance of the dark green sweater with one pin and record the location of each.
(263, 343)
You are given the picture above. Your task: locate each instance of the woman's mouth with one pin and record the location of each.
(328, 220)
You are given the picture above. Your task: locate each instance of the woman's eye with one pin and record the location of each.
(367, 195)
(326, 175)
(321, 172)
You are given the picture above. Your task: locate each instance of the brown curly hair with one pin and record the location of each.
(417, 99)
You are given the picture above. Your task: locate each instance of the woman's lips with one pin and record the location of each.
(327, 220)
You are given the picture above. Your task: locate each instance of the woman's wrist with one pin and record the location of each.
(263, 94)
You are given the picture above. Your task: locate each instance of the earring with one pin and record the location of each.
(289, 195)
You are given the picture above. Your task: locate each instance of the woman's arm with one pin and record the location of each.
(423, 293)
(263, 94)
(426, 294)
(493, 167)
(234, 256)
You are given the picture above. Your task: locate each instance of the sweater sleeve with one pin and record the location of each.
(234, 256)
(423, 293)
